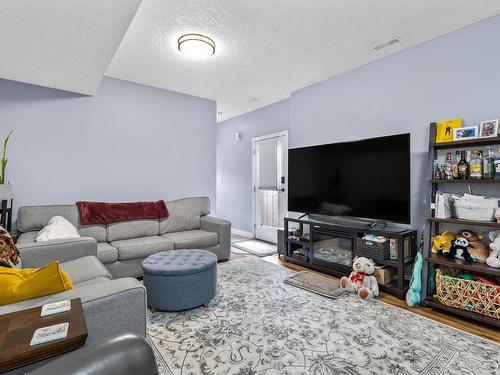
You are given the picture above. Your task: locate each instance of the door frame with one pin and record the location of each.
(283, 133)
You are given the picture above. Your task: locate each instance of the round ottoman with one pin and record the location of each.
(180, 279)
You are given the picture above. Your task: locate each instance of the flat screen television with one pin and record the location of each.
(367, 179)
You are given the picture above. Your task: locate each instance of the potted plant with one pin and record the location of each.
(5, 188)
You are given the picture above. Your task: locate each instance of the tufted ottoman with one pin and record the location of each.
(180, 279)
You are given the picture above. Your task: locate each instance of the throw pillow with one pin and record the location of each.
(9, 254)
(58, 228)
(23, 284)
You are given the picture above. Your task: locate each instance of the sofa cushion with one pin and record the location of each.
(30, 218)
(29, 283)
(192, 239)
(138, 248)
(184, 214)
(58, 228)
(133, 229)
(85, 269)
(98, 232)
(27, 237)
(106, 253)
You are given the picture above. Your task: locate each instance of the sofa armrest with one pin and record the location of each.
(37, 254)
(222, 228)
(111, 308)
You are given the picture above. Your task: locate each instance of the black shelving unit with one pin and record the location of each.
(306, 252)
(434, 226)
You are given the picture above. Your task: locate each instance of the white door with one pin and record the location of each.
(270, 163)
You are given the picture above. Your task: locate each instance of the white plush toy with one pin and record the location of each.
(497, 214)
(361, 279)
(494, 259)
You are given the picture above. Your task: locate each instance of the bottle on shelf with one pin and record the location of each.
(497, 165)
(448, 168)
(455, 165)
(436, 173)
(463, 167)
(489, 164)
(476, 165)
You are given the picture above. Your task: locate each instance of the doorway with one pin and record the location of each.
(270, 185)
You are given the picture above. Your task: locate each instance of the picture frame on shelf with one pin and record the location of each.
(445, 128)
(462, 134)
(488, 129)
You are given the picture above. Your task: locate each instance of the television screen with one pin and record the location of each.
(365, 179)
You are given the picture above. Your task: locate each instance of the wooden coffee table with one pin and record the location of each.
(17, 328)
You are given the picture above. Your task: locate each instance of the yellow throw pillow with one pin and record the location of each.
(23, 284)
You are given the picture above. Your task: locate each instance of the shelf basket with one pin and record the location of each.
(469, 295)
(372, 250)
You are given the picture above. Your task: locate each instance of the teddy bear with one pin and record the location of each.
(442, 243)
(477, 249)
(459, 249)
(494, 259)
(361, 279)
(497, 214)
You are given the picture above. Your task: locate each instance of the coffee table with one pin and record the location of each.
(17, 328)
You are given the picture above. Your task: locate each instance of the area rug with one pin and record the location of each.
(313, 282)
(257, 325)
(256, 247)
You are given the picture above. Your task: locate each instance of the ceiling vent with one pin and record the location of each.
(386, 44)
(252, 99)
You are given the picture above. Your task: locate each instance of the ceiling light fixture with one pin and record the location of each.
(196, 46)
(386, 44)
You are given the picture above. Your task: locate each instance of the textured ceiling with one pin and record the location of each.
(64, 44)
(265, 49)
(268, 49)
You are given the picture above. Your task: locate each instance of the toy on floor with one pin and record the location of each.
(442, 243)
(477, 249)
(459, 249)
(361, 279)
(494, 259)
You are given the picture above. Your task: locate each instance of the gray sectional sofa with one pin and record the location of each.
(121, 247)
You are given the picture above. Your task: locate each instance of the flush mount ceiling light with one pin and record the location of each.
(196, 46)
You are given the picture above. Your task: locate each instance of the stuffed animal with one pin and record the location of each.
(494, 259)
(477, 249)
(442, 242)
(361, 279)
(459, 249)
(497, 214)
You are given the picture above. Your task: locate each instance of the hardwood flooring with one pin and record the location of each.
(463, 324)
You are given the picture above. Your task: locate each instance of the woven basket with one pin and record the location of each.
(468, 295)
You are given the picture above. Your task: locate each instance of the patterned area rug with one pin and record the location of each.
(259, 325)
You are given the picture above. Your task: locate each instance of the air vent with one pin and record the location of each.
(386, 44)
(252, 99)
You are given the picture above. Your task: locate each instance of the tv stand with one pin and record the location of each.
(330, 247)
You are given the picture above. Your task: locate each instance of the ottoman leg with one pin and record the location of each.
(205, 305)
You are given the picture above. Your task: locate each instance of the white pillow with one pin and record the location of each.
(58, 228)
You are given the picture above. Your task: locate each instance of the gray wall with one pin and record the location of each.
(234, 160)
(129, 142)
(457, 75)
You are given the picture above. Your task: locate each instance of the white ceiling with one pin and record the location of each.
(65, 44)
(268, 49)
(265, 49)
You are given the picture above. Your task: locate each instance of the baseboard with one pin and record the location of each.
(240, 232)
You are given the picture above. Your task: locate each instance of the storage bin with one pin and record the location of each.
(475, 209)
(372, 250)
(468, 295)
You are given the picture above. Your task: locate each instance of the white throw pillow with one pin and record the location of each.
(58, 228)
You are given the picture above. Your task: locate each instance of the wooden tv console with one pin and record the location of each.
(330, 248)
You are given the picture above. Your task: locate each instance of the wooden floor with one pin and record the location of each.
(467, 325)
